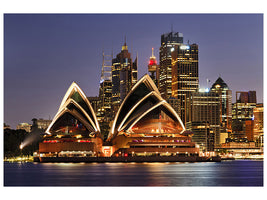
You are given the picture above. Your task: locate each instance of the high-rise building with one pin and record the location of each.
(225, 95)
(168, 42)
(206, 108)
(185, 76)
(124, 76)
(178, 71)
(105, 90)
(153, 68)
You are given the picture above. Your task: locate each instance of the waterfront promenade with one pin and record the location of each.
(129, 159)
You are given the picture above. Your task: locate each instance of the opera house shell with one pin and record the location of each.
(74, 130)
(146, 124)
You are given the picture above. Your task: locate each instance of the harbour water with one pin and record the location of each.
(225, 173)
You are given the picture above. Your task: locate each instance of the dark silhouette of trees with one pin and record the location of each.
(12, 141)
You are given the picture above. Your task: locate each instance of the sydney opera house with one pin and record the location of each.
(145, 125)
(74, 130)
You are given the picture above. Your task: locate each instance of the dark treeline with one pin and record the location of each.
(12, 141)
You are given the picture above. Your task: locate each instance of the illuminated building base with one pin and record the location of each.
(70, 147)
(154, 146)
(136, 159)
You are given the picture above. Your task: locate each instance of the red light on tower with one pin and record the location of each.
(152, 62)
(152, 66)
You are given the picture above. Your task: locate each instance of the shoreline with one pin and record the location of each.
(127, 159)
(122, 159)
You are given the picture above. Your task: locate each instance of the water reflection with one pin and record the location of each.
(234, 173)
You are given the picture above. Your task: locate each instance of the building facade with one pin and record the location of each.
(241, 149)
(246, 97)
(24, 126)
(242, 111)
(249, 125)
(178, 71)
(203, 135)
(95, 102)
(105, 96)
(258, 129)
(168, 42)
(206, 108)
(124, 76)
(105, 90)
(185, 76)
(176, 104)
(225, 95)
(41, 123)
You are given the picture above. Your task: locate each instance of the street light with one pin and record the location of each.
(20, 147)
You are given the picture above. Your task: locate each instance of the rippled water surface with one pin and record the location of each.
(226, 173)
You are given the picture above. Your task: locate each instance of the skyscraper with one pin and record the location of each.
(184, 76)
(124, 76)
(178, 70)
(225, 95)
(105, 90)
(168, 42)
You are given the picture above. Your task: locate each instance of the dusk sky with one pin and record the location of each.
(44, 54)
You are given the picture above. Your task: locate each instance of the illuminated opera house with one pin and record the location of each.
(74, 130)
(145, 125)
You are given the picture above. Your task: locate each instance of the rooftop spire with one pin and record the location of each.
(124, 47)
(152, 57)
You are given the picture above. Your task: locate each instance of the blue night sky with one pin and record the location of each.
(43, 54)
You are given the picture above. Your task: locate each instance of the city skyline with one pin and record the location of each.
(41, 52)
